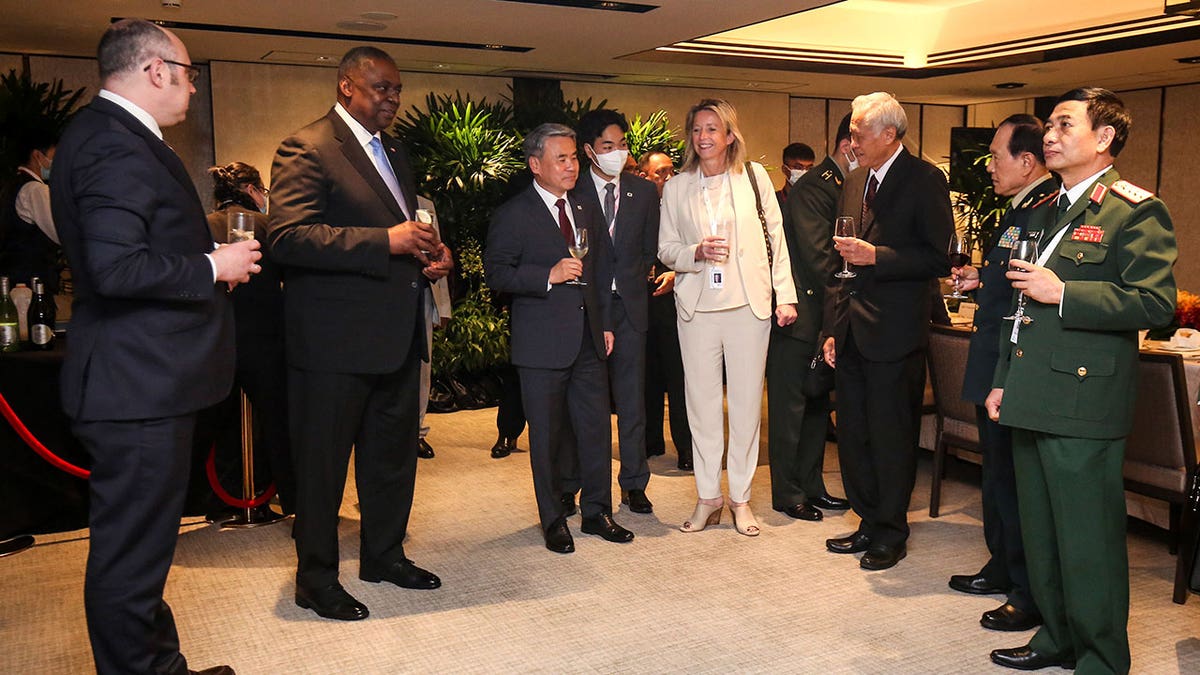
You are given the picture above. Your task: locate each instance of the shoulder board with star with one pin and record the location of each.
(1046, 198)
(1130, 192)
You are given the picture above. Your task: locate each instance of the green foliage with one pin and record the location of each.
(476, 339)
(654, 135)
(977, 206)
(27, 106)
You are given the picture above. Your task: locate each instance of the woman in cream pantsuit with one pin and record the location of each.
(710, 234)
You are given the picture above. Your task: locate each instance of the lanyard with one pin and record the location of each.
(713, 212)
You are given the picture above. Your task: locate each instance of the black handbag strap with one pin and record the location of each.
(762, 217)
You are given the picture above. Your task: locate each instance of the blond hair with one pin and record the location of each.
(735, 154)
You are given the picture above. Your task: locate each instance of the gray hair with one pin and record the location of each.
(535, 141)
(353, 59)
(879, 111)
(128, 44)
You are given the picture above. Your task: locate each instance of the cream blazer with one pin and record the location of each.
(682, 225)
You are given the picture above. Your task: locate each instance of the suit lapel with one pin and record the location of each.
(364, 165)
(891, 187)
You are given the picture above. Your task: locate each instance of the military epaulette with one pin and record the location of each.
(830, 175)
(1130, 192)
(1048, 198)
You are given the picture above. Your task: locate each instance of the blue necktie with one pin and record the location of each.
(385, 171)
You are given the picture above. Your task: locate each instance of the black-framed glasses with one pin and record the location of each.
(192, 71)
(265, 191)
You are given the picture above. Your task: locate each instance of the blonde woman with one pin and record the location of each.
(711, 235)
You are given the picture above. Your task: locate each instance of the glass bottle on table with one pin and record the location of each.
(41, 315)
(10, 338)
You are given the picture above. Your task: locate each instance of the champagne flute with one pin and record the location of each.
(723, 250)
(1025, 250)
(844, 227)
(241, 226)
(960, 255)
(579, 249)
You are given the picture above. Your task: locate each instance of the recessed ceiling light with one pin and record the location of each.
(378, 16)
(324, 58)
(358, 24)
(1009, 85)
(1189, 60)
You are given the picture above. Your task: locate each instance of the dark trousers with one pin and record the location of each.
(378, 416)
(1001, 515)
(796, 425)
(510, 414)
(139, 476)
(664, 375)
(878, 421)
(558, 401)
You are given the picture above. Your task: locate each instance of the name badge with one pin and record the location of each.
(716, 277)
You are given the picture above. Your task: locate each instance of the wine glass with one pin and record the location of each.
(960, 255)
(241, 226)
(844, 227)
(1025, 250)
(578, 249)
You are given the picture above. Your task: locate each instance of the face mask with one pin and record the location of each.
(46, 171)
(611, 163)
(851, 160)
(263, 209)
(795, 175)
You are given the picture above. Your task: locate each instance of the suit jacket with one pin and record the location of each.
(684, 225)
(888, 303)
(258, 303)
(994, 294)
(151, 333)
(1076, 375)
(808, 226)
(349, 305)
(634, 240)
(524, 242)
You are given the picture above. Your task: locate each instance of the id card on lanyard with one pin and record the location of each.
(718, 228)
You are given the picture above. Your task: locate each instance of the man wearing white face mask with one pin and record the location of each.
(30, 245)
(798, 158)
(630, 207)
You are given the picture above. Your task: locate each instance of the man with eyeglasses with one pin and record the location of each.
(151, 334)
(343, 226)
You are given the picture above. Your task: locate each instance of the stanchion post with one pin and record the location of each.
(252, 517)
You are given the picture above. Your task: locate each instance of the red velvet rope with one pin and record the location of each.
(210, 467)
(32, 441)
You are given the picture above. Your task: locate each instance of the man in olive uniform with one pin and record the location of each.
(1067, 378)
(1018, 170)
(797, 425)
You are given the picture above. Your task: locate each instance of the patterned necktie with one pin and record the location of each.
(385, 172)
(872, 186)
(610, 206)
(564, 223)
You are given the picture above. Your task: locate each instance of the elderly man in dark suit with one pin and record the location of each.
(878, 324)
(151, 333)
(561, 332)
(355, 267)
(629, 205)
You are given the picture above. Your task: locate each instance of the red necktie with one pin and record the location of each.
(872, 186)
(564, 223)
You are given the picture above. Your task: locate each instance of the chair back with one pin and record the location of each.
(1160, 451)
(948, 348)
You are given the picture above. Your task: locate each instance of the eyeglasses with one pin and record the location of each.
(265, 191)
(192, 71)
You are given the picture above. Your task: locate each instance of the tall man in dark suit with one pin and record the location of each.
(797, 424)
(151, 333)
(629, 205)
(1018, 171)
(877, 324)
(1067, 379)
(355, 269)
(561, 333)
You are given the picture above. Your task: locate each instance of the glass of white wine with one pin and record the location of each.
(579, 249)
(241, 226)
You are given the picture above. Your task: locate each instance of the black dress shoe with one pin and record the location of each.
(1010, 617)
(604, 525)
(424, 451)
(503, 447)
(802, 512)
(975, 585)
(852, 544)
(655, 452)
(1024, 658)
(636, 501)
(558, 537)
(828, 502)
(215, 670)
(882, 556)
(568, 503)
(404, 574)
(331, 602)
(684, 464)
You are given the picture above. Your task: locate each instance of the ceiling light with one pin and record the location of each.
(1189, 60)
(606, 5)
(359, 24)
(378, 16)
(1009, 85)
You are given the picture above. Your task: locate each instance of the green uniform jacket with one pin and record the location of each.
(1077, 375)
(808, 226)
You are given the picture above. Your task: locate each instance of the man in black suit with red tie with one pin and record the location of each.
(151, 334)
(877, 324)
(355, 266)
(561, 332)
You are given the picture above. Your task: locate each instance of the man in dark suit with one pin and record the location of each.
(1067, 379)
(629, 205)
(355, 265)
(151, 333)
(1018, 171)
(797, 424)
(561, 333)
(877, 324)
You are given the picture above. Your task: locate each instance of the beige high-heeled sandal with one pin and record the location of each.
(743, 518)
(702, 517)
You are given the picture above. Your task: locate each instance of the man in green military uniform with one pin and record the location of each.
(1066, 383)
(796, 425)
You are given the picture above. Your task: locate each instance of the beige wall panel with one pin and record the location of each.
(935, 139)
(762, 116)
(1181, 127)
(1138, 162)
(10, 62)
(807, 122)
(991, 114)
(912, 137)
(838, 108)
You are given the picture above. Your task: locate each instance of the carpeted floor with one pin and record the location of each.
(709, 602)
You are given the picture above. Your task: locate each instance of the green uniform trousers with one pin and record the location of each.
(1072, 505)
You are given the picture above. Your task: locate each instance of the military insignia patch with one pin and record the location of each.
(1098, 193)
(1089, 233)
(1130, 192)
(1010, 237)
